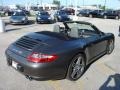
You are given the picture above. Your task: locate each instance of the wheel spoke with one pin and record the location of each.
(74, 73)
(79, 61)
(77, 67)
(74, 64)
(79, 72)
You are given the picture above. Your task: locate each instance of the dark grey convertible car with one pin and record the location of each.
(63, 53)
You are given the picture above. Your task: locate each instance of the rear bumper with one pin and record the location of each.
(38, 71)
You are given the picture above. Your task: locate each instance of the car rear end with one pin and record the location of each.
(31, 57)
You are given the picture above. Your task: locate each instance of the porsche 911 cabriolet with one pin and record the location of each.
(62, 53)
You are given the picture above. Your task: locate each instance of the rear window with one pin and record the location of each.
(18, 14)
(43, 13)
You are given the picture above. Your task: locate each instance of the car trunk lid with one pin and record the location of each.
(34, 42)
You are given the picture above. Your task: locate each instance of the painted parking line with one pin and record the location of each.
(105, 69)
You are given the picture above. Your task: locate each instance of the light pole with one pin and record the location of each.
(41, 2)
(75, 17)
(1, 2)
(105, 4)
(66, 3)
(83, 3)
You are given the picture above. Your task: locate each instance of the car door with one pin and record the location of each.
(97, 45)
(96, 42)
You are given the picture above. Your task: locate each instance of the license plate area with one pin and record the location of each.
(14, 64)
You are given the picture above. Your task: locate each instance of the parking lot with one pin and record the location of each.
(103, 74)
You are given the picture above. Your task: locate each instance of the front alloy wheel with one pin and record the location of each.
(105, 17)
(117, 17)
(76, 68)
(90, 16)
(110, 47)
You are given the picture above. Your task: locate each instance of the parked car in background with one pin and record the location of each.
(118, 12)
(69, 11)
(84, 12)
(10, 12)
(110, 14)
(95, 13)
(44, 17)
(61, 16)
(64, 53)
(26, 12)
(19, 17)
(2, 13)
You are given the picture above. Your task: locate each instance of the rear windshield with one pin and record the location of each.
(18, 14)
(43, 13)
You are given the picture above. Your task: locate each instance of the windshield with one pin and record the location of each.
(81, 29)
(18, 14)
(43, 13)
(80, 26)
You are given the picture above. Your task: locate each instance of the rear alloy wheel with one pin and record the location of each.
(80, 15)
(105, 17)
(56, 19)
(117, 17)
(110, 47)
(90, 16)
(76, 68)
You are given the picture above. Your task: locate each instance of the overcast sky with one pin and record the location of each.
(109, 3)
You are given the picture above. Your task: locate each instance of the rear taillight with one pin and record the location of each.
(41, 58)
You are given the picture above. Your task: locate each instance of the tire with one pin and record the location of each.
(36, 22)
(56, 19)
(80, 15)
(26, 23)
(90, 16)
(110, 46)
(117, 17)
(76, 67)
(105, 17)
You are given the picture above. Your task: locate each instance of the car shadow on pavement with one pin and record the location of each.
(107, 86)
(14, 29)
(31, 23)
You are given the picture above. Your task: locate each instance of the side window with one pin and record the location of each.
(86, 27)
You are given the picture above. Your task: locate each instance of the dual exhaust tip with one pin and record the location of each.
(29, 77)
(119, 32)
